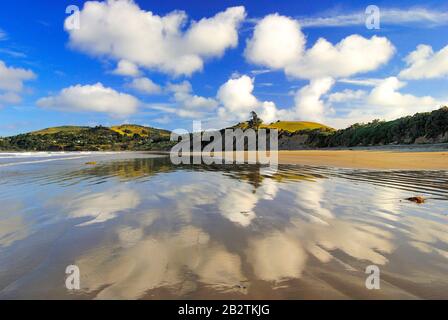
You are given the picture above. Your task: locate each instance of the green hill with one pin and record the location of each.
(64, 129)
(293, 126)
(80, 138)
(421, 128)
(428, 127)
(288, 126)
(131, 129)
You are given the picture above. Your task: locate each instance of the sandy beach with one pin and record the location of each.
(366, 159)
(403, 159)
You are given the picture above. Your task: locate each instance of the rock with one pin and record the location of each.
(417, 199)
(422, 140)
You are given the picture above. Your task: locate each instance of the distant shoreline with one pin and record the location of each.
(404, 157)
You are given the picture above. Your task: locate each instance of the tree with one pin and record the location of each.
(255, 121)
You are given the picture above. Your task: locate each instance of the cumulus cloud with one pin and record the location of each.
(126, 68)
(145, 86)
(152, 41)
(185, 103)
(387, 94)
(188, 104)
(236, 95)
(346, 95)
(276, 42)
(95, 98)
(384, 101)
(424, 63)
(308, 102)
(12, 82)
(11, 79)
(352, 55)
(238, 101)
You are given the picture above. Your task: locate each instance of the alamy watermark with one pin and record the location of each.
(73, 280)
(373, 280)
(373, 19)
(227, 146)
(73, 22)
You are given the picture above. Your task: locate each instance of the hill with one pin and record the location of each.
(81, 138)
(427, 127)
(293, 126)
(64, 129)
(288, 126)
(131, 129)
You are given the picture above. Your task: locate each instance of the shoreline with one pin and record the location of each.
(354, 159)
(368, 159)
(427, 158)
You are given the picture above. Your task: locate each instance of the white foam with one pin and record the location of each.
(14, 158)
(38, 161)
(41, 154)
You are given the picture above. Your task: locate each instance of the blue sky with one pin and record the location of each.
(220, 68)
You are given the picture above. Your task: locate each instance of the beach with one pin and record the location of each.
(375, 159)
(368, 159)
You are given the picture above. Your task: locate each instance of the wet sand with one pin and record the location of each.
(365, 159)
(403, 159)
(140, 227)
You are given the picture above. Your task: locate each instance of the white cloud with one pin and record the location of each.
(367, 82)
(126, 68)
(145, 85)
(423, 63)
(353, 54)
(11, 79)
(384, 101)
(387, 94)
(346, 95)
(236, 95)
(238, 101)
(95, 98)
(151, 41)
(12, 83)
(276, 42)
(189, 104)
(308, 102)
(10, 97)
(389, 16)
(185, 104)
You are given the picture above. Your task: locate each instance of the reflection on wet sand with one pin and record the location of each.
(146, 229)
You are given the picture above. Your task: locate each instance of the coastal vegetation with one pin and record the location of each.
(421, 128)
(79, 138)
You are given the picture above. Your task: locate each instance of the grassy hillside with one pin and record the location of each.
(64, 129)
(131, 129)
(289, 126)
(76, 138)
(293, 126)
(427, 127)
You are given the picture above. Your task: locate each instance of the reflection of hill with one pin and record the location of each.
(129, 169)
(138, 168)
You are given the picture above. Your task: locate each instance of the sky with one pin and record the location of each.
(168, 63)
